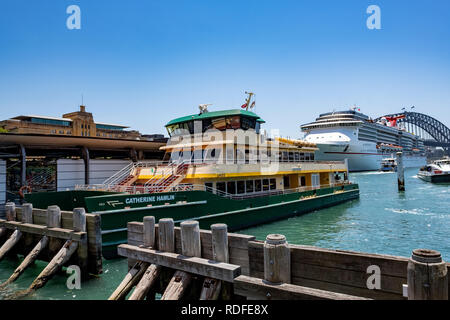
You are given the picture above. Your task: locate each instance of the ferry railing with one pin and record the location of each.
(197, 187)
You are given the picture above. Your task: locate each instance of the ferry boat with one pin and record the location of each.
(352, 135)
(436, 172)
(218, 167)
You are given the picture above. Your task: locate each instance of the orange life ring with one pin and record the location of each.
(28, 188)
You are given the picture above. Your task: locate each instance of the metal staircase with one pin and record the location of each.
(172, 175)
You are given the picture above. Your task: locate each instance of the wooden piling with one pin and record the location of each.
(400, 172)
(277, 259)
(15, 237)
(10, 211)
(54, 221)
(191, 247)
(53, 267)
(153, 271)
(427, 276)
(130, 280)
(79, 225)
(166, 235)
(219, 237)
(27, 217)
(29, 259)
(149, 231)
(10, 243)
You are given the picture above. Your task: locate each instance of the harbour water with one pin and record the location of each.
(381, 221)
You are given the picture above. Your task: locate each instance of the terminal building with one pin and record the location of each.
(42, 153)
(79, 123)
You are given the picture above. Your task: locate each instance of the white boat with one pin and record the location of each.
(389, 164)
(436, 172)
(352, 135)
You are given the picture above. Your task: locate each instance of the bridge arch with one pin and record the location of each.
(434, 132)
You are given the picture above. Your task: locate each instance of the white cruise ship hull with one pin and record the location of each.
(362, 158)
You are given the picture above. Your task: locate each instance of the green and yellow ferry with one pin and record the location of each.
(218, 167)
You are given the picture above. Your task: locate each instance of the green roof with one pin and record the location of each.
(216, 114)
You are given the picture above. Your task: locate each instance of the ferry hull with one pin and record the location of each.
(117, 210)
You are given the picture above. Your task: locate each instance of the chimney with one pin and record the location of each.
(82, 109)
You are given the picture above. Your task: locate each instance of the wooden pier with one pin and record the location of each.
(188, 263)
(58, 237)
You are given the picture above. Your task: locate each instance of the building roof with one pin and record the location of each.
(40, 117)
(25, 117)
(215, 114)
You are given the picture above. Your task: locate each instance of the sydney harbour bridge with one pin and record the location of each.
(434, 132)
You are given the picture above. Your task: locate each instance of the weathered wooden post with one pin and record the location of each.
(277, 259)
(212, 287)
(10, 208)
(10, 211)
(79, 225)
(54, 221)
(152, 273)
(400, 172)
(166, 235)
(427, 276)
(191, 247)
(27, 217)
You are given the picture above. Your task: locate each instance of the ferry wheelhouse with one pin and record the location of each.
(218, 167)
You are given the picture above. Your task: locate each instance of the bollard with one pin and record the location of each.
(277, 259)
(190, 239)
(27, 213)
(10, 211)
(427, 276)
(149, 232)
(79, 225)
(400, 172)
(166, 235)
(54, 221)
(213, 287)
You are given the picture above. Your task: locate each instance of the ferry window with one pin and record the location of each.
(247, 123)
(257, 127)
(291, 156)
(306, 156)
(207, 124)
(249, 186)
(296, 157)
(285, 156)
(265, 184)
(240, 186)
(233, 122)
(231, 187)
(258, 186)
(219, 123)
(302, 181)
(208, 186)
(273, 184)
(311, 156)
(220, 186)
(286, 182)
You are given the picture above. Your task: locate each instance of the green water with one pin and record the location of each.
(381, 221)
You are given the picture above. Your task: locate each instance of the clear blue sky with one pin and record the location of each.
(143, 62)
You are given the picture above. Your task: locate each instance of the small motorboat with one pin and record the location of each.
(436, 172)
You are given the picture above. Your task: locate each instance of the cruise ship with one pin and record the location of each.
(354, 136)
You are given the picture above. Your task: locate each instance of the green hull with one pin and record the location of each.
(118, 209)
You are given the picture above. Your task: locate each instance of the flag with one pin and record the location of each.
(252, 105)
(244, 106)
